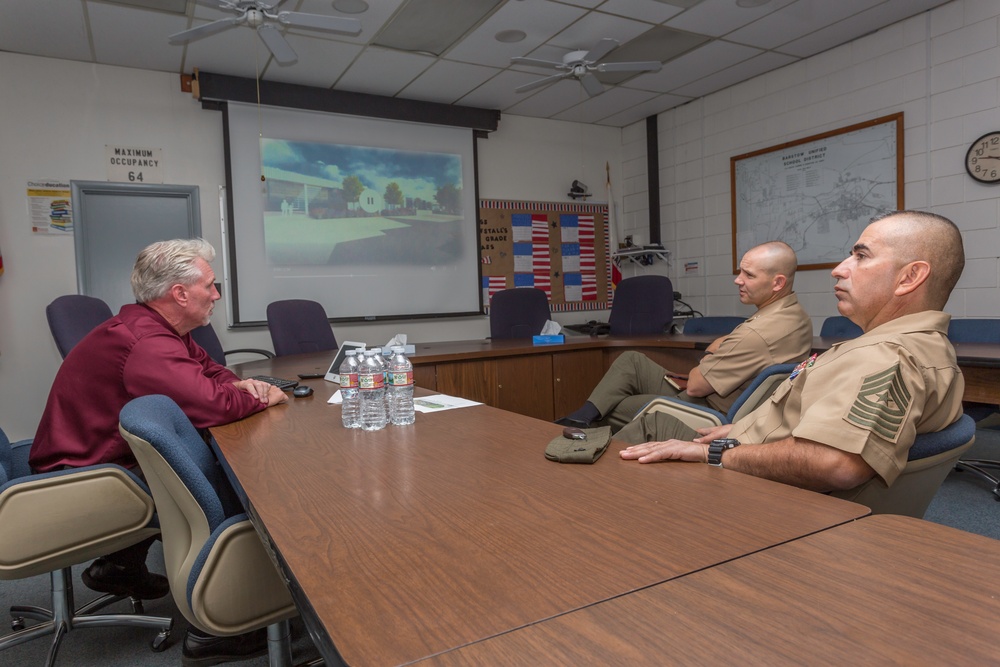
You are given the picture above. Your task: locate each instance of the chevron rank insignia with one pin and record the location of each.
(882, 403)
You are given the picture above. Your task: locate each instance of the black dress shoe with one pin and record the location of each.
(106, 577)
(569, 421)
(202, 650)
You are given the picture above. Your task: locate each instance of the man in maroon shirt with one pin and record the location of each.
(146, 349)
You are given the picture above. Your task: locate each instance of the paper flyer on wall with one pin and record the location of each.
(49, 207)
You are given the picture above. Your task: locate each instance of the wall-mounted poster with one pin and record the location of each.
(561, 248)
(817, 194)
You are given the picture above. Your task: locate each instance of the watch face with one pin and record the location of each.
(983, 159)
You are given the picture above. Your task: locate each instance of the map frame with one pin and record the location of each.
(877, 187)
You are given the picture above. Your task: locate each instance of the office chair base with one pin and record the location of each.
(62, 618)
(978, 467)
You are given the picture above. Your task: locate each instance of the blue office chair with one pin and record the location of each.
(73, 316)
(838, 326)
(298, 326)
(642, 305)
(519, 312)
(932, 456)
(221, 576)
(208, 339)
(974, 330)
(715, 325)
(52, 521)
(700, 416)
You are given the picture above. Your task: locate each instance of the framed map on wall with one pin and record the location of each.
(818, 193)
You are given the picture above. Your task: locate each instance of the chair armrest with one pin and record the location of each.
(251, 350)
(695, 416)
(54, 520)
(234, 585)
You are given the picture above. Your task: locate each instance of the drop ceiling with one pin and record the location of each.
(459, 51)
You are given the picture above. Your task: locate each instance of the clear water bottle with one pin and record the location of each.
(399, 385)
(371, 386)
(351, 408)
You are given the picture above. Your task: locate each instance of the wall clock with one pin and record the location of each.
(982, 161)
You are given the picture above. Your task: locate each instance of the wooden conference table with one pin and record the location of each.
(885, 590)
(412, 541)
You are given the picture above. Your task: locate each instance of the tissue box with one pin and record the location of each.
(407, 350)
(555, 339)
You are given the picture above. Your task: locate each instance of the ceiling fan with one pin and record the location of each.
(261, 16)
(582, 65)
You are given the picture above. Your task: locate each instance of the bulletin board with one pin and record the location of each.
(561, 248)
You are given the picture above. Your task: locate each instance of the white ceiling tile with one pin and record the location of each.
(539, 21)
(498, 92)
(643, 10)
(649, 108)
(701, 62)
(765, 62)
(720, 17)
(383, 72)
(321, 62)
(121, 35)
(379, 12)
(551, 100)
(447, 81)
(608, 103)
(594, 27)
(53, 28)
(801, 18)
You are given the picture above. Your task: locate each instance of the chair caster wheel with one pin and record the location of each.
(17, 623)
(160, 641)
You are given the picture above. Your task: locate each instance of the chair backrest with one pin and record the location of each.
(932, 456)
(73, 316)
(701, 416)
(974, 330)
(642, 305)
(221, 577)
(298, 326)
(713, 325)
(759, 390)
(208, 339)
(519, 312)
(838, 326)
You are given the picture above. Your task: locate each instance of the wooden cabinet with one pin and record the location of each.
(520, 384)
(575, 374)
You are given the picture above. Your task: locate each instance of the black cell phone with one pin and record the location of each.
(311, 376)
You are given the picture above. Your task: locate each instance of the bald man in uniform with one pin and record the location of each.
(852, 413)
(779, 332)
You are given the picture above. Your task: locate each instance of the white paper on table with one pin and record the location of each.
(336, 399)
(439, 402)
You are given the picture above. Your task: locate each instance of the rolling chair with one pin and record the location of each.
(838, 326)
(700, 416)
(978, 330)
(221, 576)
(52, 521)
(714, 325)
(642, 305)
(73, 316)
(298, 326)
(518, 312)
(931, 458)
(208, 339)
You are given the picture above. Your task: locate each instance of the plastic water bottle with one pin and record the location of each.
(351, 408)
(400, 388)
(371, 386)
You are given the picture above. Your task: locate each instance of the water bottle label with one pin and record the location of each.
(401, 378)
(348, 380)
(371, 381)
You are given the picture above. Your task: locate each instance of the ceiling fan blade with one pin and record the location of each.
(276, 44)
(205, 30)
(542, 82)
(603, 48)
(535, 62)
(644, 66)
(591, 84)
(321, 22)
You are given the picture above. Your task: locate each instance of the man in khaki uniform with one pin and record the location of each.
(779, 332)
(851, 413)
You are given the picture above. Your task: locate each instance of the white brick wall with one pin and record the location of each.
(942, 69)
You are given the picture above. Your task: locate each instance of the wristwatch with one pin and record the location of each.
(717, 447)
